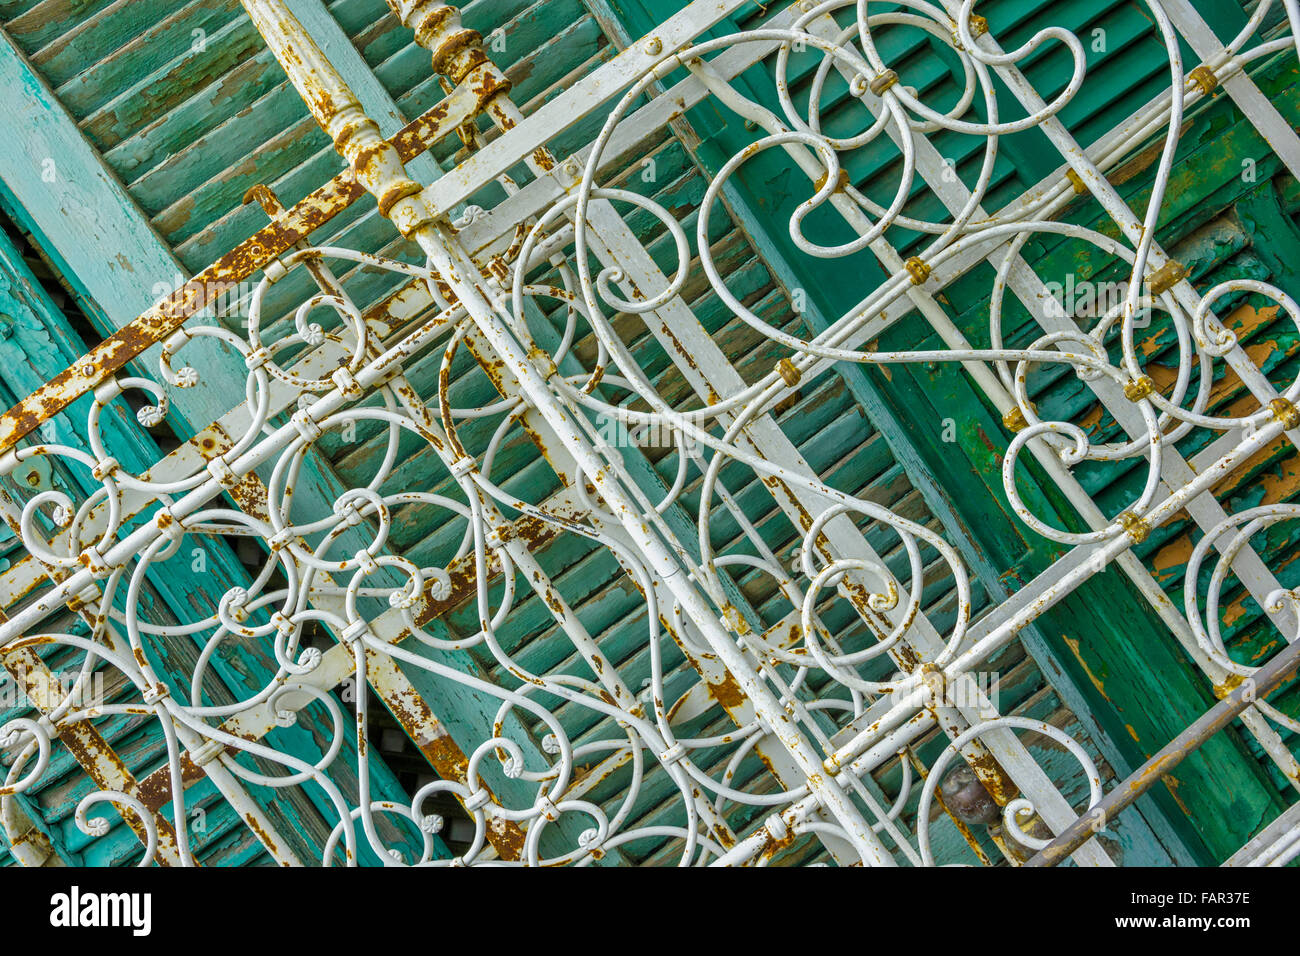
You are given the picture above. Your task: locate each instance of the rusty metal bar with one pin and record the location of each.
(1264, 681)
(254, 253)
(542, 241)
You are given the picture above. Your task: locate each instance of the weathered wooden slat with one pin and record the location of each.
(117, 292)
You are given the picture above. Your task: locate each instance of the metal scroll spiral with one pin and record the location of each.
(333, 569)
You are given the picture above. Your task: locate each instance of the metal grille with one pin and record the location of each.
(697, 727)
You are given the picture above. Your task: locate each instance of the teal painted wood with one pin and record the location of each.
(819, 425)
(468, 717)
(598, 601)
(171, 178)
(79, 210)
(594, 586)
(81, 213)
(1154, 836)
(98, 110)
(1193, 700)
(84, 207)
(40, 343)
